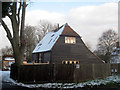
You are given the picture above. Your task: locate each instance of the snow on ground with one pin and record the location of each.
(6, 78)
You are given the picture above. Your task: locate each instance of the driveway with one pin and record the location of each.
(7, 84)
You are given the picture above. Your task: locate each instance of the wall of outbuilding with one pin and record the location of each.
(62, 51)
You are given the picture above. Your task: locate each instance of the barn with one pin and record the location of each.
(63, 46)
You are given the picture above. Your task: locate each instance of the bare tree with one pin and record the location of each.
(33, 34)
(30, 37)
(15, 11)
(7, 51)
(105, 44)
(43, 28)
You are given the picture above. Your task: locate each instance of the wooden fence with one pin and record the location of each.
(0, 64)
(62, 73)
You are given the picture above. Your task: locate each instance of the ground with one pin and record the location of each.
(108, 83)
(7, 83)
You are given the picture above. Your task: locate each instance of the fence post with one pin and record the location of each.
(54, 72)
(109, 69)
(93, 71)
(118, 69)
(18, 73)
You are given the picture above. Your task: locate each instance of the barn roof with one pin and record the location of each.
(69, 31)
(50, 39)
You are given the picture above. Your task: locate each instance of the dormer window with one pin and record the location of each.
(70, 40)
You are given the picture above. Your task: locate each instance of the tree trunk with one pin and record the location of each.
(17, 40)
(19, 48)
(18, 55)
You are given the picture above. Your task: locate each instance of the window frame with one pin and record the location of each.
(70, 40)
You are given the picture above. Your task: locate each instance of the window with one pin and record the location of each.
(71, 40)
(75, 62)
(52, 35)
(70, 62)
(66, 62)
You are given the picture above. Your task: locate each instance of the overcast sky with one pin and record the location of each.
(88, 19)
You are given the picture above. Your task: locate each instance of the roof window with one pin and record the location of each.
(55, 38)
(40, 44)
(52, 35)
(50, 41)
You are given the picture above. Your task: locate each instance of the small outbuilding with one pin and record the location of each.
(63, 46)
(7, 61)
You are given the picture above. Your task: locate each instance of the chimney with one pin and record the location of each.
(57, 26)
(66, 24)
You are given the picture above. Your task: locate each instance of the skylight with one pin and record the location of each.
(50, 41)
(40, 44)
(52, 35)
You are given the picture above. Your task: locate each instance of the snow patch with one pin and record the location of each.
(91, 83)
(9, 59)
(5, 76)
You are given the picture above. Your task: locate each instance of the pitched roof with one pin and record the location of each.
(49, 40)
(69, 31)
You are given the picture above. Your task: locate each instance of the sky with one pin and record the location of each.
(88, 19)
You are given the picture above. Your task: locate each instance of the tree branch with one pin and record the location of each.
(13, 17)
(22, 25)
(7, 31)
(14, 8)
(18, 15)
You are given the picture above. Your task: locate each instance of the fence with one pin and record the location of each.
(62, 73)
